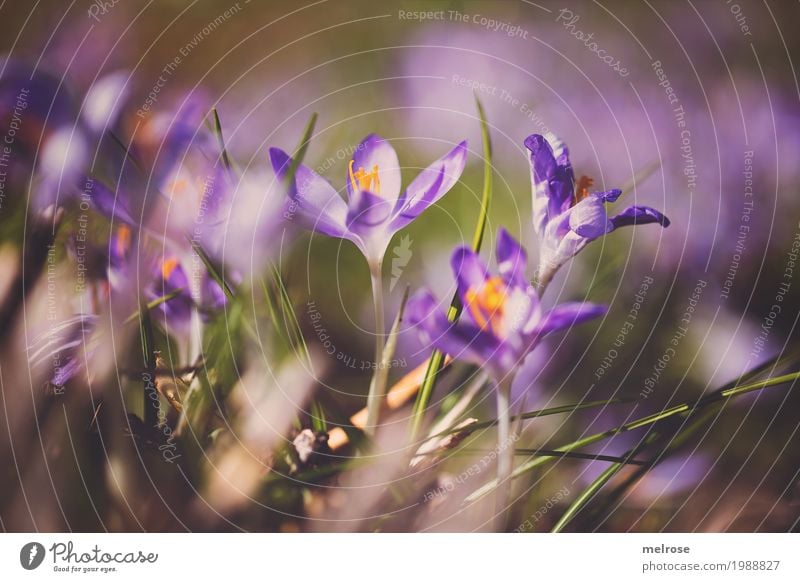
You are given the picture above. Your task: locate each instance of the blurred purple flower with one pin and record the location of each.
(503, 319)
(375, 209)
(60, 351)
(176, 312)
(566, 215)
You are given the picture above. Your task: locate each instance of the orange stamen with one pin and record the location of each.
(123, 239)
(362, 180)
(168, 267)
(486, 305)
(582, 188)
(178, 185)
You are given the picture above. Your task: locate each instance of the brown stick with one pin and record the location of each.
(398, 395)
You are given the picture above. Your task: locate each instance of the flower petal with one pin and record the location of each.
(113, 205)
(104, 100)
(608, 195)
(429, 186)
(552, 179)
(512, 260)
(316, 203)
(376, 151)
(177, 311)
(469, 269)
(366, 212)
(639, 215)
(588, 218)
(568, 314)
(461, 340)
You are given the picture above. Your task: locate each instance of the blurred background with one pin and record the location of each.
(690, 107)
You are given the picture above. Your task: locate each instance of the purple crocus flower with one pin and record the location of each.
(375, 207)
(566, 215)
(172, 278)
(375, 210)
(503, 318)
(503, 321)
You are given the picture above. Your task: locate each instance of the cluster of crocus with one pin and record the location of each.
(158, 186)
(503, 320)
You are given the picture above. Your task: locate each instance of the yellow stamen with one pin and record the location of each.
(178, 185)
(168, 267)
(123, 239)
(361, 180)
(486, 305)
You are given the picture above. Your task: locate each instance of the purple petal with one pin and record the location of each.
(367, 211)
(552, 179)
(462, 341)
(376, 151)
(316, 202)
(215, 194)
(639, 215)
(568, 314)
(608, 195)
(64, 371)
(512, 260)
(429, 186)
(109, 203)
(588, 218)
(469, 269)
(104, 101)
(176, 311)
(119, 247)
(56, 352)
(177, 140)
(213, 296)
(555, 251)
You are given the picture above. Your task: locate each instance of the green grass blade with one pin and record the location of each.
(213, 269)
(318, 420)
(548, 453)
(488, 177)
(150, 411)
(300, 151)
(594, 488)
(153, 304)
(295, 333)
(534, 414)
(714, 398)
(437, 358)
(221, 139)
(586, 496)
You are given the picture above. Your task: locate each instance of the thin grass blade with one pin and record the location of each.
(436, 361)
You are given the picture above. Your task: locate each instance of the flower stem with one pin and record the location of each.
(543, 279)
(377, 386)
(505, 451)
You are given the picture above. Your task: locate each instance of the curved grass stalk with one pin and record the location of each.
(715, 398)
(534, 414)
(436, 361)
(587, 494)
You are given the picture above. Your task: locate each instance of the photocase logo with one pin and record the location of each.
(31, 555)
(402, 255)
